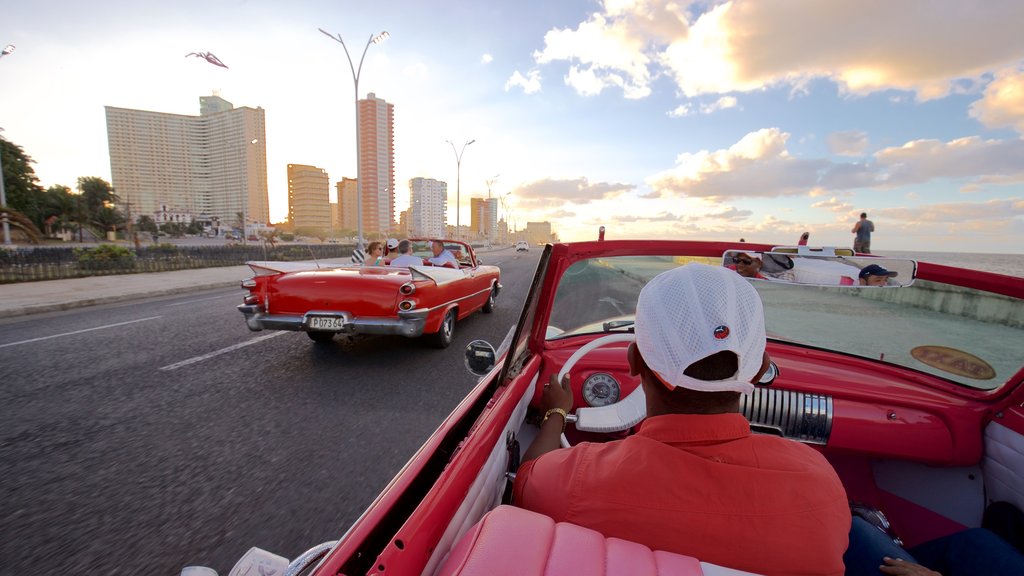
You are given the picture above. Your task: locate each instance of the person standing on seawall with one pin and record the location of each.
(863, 229)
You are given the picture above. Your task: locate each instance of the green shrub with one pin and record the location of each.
(105, 257)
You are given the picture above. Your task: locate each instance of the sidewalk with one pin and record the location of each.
(25, 298)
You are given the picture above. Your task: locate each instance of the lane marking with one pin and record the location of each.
(201, 300)
(231, 348)
(79, 331)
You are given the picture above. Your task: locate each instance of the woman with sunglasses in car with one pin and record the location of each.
(747, 265)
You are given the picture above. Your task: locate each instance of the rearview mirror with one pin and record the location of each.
(820, 267)
(480, 357)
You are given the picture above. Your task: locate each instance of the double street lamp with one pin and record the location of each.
(458, 170)
(355, 79)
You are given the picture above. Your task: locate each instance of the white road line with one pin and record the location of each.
(232, 295)
(79, 331)
(195, 359)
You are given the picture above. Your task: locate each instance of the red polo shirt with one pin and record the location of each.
(704, 486)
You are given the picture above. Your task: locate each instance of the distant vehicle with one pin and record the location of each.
(522, 246)
(410, 301)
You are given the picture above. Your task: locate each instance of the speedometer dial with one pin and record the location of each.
(601, 389)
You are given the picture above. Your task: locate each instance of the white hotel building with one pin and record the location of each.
(428, 207)
(212, 165)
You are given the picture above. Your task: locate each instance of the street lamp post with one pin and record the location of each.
(3, 194)
(355, 80)
(458, 181)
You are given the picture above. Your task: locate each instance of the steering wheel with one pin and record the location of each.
(621, 415)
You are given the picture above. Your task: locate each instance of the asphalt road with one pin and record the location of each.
(143, 437)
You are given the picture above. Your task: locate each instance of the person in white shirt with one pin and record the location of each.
(442, 257)
(405, 257)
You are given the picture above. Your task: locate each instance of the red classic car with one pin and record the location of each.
(913, 393)
(404, 300)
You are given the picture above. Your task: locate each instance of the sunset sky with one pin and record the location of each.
(657, 119)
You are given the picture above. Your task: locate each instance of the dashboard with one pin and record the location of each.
(838, 403)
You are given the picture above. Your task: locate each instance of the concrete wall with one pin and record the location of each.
(966, 302)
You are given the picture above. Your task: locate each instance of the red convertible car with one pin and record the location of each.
(913, 392)
(409, 301)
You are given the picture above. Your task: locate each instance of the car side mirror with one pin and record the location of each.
(480, 357)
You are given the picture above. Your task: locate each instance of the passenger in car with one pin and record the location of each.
(693, 480)
(405, 257)
(747, 264)
(375, 254)
(442, 256)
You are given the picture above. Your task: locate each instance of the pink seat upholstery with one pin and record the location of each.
(518, 542)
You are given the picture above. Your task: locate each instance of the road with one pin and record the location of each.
(143, 437)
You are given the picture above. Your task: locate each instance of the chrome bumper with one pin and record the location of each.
(409, 324)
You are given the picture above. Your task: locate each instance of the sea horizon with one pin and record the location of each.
(1006, 264)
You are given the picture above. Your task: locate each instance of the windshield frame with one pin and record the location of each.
(564, 256)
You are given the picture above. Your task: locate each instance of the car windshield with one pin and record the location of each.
(966, 336)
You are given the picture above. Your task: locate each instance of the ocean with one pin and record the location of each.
(1008, 264)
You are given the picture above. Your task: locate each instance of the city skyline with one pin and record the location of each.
(692, 120)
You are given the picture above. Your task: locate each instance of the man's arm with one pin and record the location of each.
(855, 227)
(555, 396)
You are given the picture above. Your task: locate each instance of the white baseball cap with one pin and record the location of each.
(689, 313)
(392, 243)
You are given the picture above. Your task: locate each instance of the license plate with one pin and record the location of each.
(328, 323)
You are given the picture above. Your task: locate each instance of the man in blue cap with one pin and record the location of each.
(875, 275)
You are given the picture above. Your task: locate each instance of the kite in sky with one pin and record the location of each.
(209, 57)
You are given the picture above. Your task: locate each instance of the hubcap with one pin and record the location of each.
(448, 325)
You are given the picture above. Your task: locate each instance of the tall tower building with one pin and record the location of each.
(347, 204)
(484, 217)
(309, 203)
(212, 165)
(377, 163)
(428, 207)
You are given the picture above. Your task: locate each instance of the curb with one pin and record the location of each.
(58, 306)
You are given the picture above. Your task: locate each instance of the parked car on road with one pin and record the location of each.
(408, 301)
(912, 391)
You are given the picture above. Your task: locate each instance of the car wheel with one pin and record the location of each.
(489, 305)
(443, 337)
(320, 337)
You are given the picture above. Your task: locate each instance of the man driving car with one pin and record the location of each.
(694, 480)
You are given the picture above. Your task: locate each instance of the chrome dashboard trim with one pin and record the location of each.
(796, 415)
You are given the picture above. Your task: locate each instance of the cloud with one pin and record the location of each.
(848, 143)
(660, 217)
(721, 104)
(744, 45)
(561, 214)
(757, 165)
(923, 160)
(549, 192)
(731, 214)
(1003, 101)
(529, 83)
(833, 204)
(486, 59)
(956, 212)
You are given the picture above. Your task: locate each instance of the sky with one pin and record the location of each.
(699, 120)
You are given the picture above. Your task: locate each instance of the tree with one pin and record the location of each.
(21, 185)
(146, 224)
(96, 194)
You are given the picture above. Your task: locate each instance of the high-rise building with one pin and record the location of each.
(347, 204)
(428, 207)
(212, 166)
(538, 232)
(309, 204)
(484, 217)
(377, 163)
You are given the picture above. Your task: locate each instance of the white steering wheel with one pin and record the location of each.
(621, 415)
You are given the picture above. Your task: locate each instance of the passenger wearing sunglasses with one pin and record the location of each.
(747, 265)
